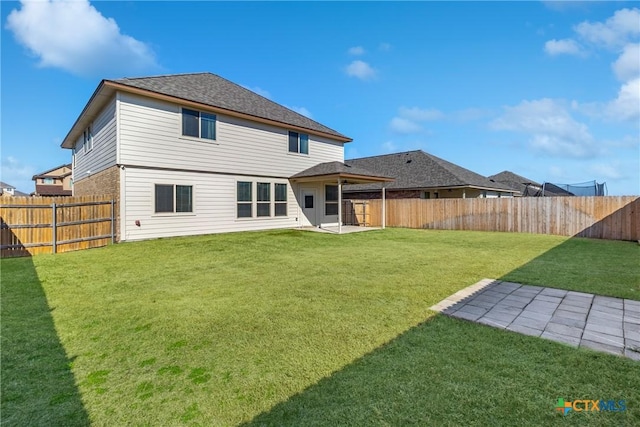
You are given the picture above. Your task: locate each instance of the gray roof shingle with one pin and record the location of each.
(334, 168)
(417, 169)
(527, 186)
(215, 91)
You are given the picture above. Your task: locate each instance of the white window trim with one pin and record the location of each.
(298, 153)
(174, 213)
(285, 202)
(87, 139)
(329, 202)
(198, 138)
(254, 200)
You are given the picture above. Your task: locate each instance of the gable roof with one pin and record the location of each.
(417, 169)
(339, 169)
(517, 182)
(202, 90)
(5, 185)
(508, 176)
(527, 186)
(45, 174)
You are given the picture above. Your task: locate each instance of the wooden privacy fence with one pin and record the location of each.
(34, 225)
(610, 217)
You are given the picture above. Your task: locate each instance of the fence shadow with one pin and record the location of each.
(451, 372)
(447, 371)
(622, 224)
(10, 244)
(38, 386)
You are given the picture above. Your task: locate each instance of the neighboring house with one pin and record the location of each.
(421, 175)
(196, 154)
(54, 182)
(9, 190)
(526, 186)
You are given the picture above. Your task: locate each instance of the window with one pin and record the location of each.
(308, 201)
(281, 199)
(245, 199)
(298, 143)
(184, 198)
(174, 198)
(425, 195)
(47, 180)
(270, 199)
(331, 200)
(198, 124)
(87, 140)
(264, 199)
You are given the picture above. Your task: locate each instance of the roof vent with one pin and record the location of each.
(409, 161)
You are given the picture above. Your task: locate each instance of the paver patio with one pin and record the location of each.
(579, 319)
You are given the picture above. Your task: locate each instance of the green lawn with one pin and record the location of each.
(299, 328)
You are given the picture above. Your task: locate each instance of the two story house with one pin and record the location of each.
(54, 182)
(196, 154)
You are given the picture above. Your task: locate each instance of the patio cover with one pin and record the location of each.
(342, 174)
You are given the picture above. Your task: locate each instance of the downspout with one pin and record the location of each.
(384, 207)
(339, 206)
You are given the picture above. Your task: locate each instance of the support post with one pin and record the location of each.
(339, 206)
(384, 207)
(54, 227)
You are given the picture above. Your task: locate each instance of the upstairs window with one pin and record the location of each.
(87, 140)
(198, 124)
(174, 198)
(298, 143)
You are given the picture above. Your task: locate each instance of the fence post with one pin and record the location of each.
(113, 228)
(54, 226)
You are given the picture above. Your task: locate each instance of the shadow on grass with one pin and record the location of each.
(585, 265)
(38, 387)
(451, 372)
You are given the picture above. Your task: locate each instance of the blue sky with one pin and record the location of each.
(550, 91)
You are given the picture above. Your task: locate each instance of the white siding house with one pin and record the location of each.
(196, 154)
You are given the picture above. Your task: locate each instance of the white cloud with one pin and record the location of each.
(15, 173)
(421, 115)
(408, 119)
(356, 50)
(564, 46)
(610, 171)
(614, 32)
(403, 125)
(74, 36)
(389, 147)
(361, 70)
(550, 127)
(259, 91)
(471, 114)
(557, 172)
(627, 66)
(300, 110)
(626, 106)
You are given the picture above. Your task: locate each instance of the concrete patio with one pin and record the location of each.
(607, 324)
